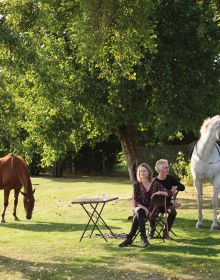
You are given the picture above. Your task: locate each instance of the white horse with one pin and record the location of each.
(205, 165)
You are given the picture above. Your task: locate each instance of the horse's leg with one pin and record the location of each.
(198, 186)
(16, 193)
(6, 196)
(216, 191)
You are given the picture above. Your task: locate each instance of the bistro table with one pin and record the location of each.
(93, 208)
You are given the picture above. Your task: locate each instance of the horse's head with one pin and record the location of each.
(29, 204)
(213, 126)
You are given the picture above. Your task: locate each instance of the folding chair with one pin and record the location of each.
(159, 204)
(157, 201)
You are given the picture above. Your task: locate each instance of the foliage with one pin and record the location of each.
(121, 159)
(186, 65)
(74, 72)
(182, 169)
(121, 165)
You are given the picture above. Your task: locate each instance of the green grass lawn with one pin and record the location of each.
(48, 247)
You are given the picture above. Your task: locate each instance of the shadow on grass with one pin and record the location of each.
(180, 223)
(183, 256)
(189, 225)
(192, 203)
(52, 227)
(75, 268)
(178, 257)
(115, 267)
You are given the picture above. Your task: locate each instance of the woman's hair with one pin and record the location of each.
(145, 165)
(159, 164)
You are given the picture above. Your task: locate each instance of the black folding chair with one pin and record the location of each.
(158, 213)
(157, 201)
(159, 204)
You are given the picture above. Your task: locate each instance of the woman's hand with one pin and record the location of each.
(161, 193)
(164, 193)
(174, 190)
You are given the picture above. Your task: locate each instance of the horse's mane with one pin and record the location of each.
(204, 126)
(207, 122)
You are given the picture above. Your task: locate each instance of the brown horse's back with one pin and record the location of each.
(13, 175)
(13, 172)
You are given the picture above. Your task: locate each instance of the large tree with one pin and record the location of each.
(83, 70)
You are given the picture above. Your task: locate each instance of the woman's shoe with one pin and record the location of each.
(144, 242)
(166, 235)
(126, 242)
(151, 233)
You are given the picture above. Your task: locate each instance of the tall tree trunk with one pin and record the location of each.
(57, 169)
(127, 136)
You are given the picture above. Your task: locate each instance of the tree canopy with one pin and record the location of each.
(74, 72)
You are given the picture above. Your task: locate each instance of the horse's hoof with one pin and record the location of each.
(2, 221)
(214, 227)
(198, 226)
(16, 219)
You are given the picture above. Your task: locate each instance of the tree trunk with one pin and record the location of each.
(127, 136)
(57, 169)
(103, 162)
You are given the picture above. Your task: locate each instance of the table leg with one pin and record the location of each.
(97, 217)
(91, 215)
(101, 219)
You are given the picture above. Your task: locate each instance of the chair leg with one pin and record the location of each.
(160, 224)
(173, 232)
(134, 237)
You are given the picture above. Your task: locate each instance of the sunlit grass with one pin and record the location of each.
(48, 247)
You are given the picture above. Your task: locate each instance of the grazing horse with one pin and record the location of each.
(205, 165)
(13, 175)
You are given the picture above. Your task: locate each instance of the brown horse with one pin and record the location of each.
(13, 175)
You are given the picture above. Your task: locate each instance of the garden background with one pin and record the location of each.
(87, 90)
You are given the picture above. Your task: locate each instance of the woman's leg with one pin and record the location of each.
(134, 227)
(141, 216)
(152, 227)
(138, 221)
(171, 217)
(141, 221)
(170, 220)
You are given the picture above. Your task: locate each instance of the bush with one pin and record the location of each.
(182, 168)
(121, 166)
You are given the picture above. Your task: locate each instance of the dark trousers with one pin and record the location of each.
(138, 222)
(170, 219)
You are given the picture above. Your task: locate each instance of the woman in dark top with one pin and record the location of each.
(143, 190)
(172, 184)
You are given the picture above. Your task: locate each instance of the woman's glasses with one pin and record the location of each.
(166, 167)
